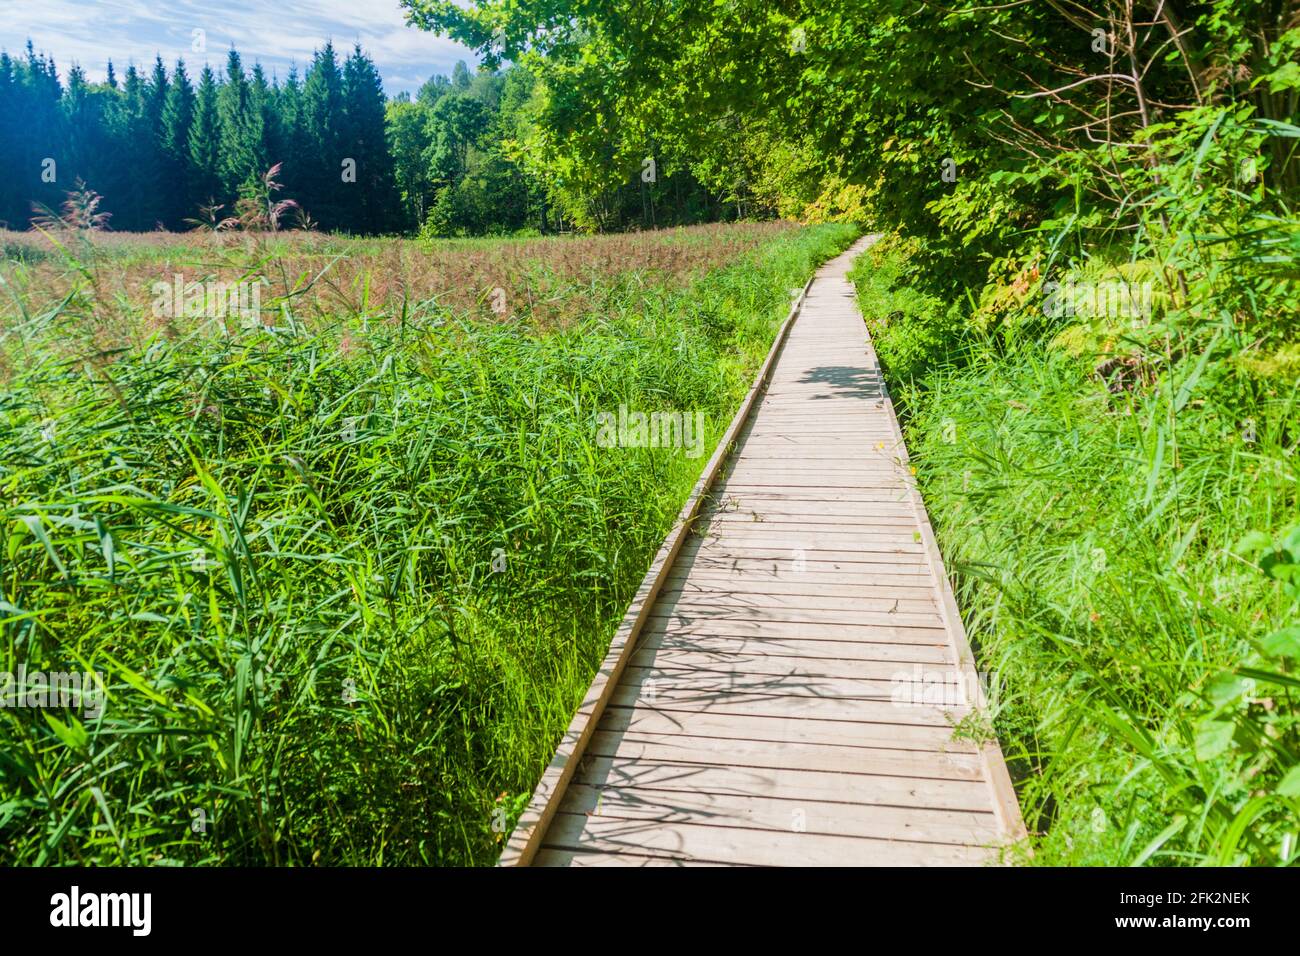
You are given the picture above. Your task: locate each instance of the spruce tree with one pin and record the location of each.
(10, 186)
(178, 173)
(265, 117)
(156, 98)
(242, 149)
(373, 201)
(140, 204)
(292, 145)
(323, 116)
(205, 144)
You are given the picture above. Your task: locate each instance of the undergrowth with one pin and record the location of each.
(1126, 553)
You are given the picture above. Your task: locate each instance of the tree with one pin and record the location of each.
(177, 118)
(243, 157)
(408, 126)
(323, 122)
(292, 141)
(155, 98)
(374, 193)
(459, 124)
(205, 143)
(460, 78)
(133, 189)
(433, 90)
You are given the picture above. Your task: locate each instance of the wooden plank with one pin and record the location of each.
(784, 583)
(799, 507)
(944, 694)
(559, 856)
(744, 811)
(805, 482)
(746, 489)
(795, 647)
(726, 522)
(800, 623)
(687, 616)
(722, 583)
(903, 677)
(763, 538)
(647, 720)
(692, 841)
(784, 519)
(884, 558)
(782, 565)
(722, 596)
(740, 700)
(878, 634)
(901, 791)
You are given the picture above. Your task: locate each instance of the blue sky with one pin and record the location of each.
(275, 33)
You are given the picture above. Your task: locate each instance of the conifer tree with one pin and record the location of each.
(292, 144)
(243, 157)
(373, 202)
(205, 144)
(324, 195)
(178, 173)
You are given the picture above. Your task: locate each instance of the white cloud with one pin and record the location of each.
(275, 34)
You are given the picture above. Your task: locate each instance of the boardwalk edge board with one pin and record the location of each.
(1005, 803)
(526, 839)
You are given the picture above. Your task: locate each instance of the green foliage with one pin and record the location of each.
(913, 332)
(1096, 524)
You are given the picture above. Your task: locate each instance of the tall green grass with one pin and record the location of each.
(347, 584)
(1127, 565)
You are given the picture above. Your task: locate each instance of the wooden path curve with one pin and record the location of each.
(784, 689)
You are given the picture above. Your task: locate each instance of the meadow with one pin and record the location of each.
(347, 565)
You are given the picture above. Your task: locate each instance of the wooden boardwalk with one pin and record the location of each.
(786, 689)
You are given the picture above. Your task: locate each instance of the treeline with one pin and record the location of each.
(159, 146)
(468, 162)
(465, 156)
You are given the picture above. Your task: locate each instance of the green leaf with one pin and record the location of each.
(1283, 643)
(1290, 785)
(74, 736)
(37, 528)
(1270, 677)
(1232, 835)
(1252, 543)
(1213, 737)
(1225, 687)
(1163, 837)
(1287, 77)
